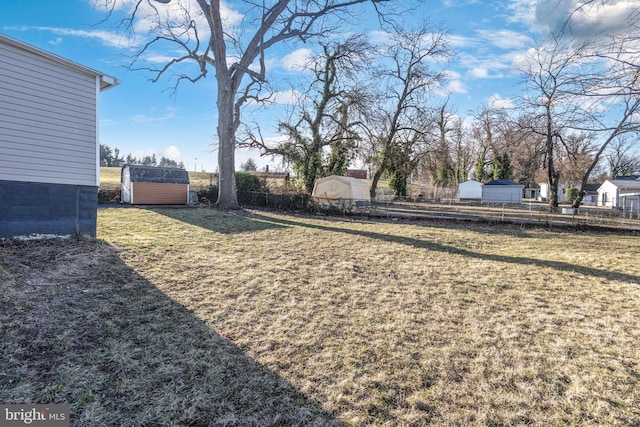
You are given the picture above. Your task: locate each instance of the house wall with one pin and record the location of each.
(608, 195)
(37, 208)
(590, 200)
(470, 190)
(545, 193)
(501, 194)
(48, 143)
(152, 193)
(48, 120)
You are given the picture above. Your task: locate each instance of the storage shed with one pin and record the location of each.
(470, 190)
(49, 174)
(502, 191)
(151, 185)
(340, 191)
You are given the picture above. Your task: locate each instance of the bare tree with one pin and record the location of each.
(553, 101)
(621, 157)
(405, 80)
(324, 118)
(617, 86)
(233, 44)
(613, 78)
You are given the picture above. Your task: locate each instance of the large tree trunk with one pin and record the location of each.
(227, 194)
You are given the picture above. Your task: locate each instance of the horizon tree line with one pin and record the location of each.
(112, 157)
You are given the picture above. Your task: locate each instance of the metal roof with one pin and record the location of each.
(626, 184)
(503, 182)
(138, 173)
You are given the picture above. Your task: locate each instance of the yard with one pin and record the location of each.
(199, 317)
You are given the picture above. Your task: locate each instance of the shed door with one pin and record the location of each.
(126, 186)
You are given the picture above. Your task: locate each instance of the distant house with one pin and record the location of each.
(357, 173)
(590, 197)
(620, 193)
(150, 185)
(470, 190)
(532, 193)
(49, 162)
(502, 191)
(545, 192)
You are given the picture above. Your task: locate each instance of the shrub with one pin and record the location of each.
(572, 194)
(246, 182)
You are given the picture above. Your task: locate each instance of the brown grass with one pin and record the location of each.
(197, 317)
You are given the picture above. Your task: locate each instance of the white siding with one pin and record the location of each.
(501, 194)
(47, 120)
(470, 190)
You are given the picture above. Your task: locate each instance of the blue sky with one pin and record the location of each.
(142, 118)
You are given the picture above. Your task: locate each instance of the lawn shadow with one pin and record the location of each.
(433, 246)
(79, 326)
(219, 221)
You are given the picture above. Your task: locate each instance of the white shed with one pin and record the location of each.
(340, 191)
(470, 190)
(502, 191)
(49, 172)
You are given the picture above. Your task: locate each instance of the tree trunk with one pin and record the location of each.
(551, 171)
(374, 184)
(378, 173)
(227, 195)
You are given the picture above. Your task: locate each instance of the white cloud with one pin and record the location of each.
(456, 86)
(488, 66)
(585, 19)
(505, 39)
(456, 40)
(479, 73)
(608, 18)
(496, 101)
(285, 97)
(143, 118)
(458, 3)
(172, 152)
(523, 11)
(297, 60)
(105, 37)
(152, 16)
(157, 58)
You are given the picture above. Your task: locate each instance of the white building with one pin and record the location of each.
(470, 190)
(620, 193)
(49, 150)
(502, 191)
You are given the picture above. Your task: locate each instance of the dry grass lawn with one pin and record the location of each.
(199, 317)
